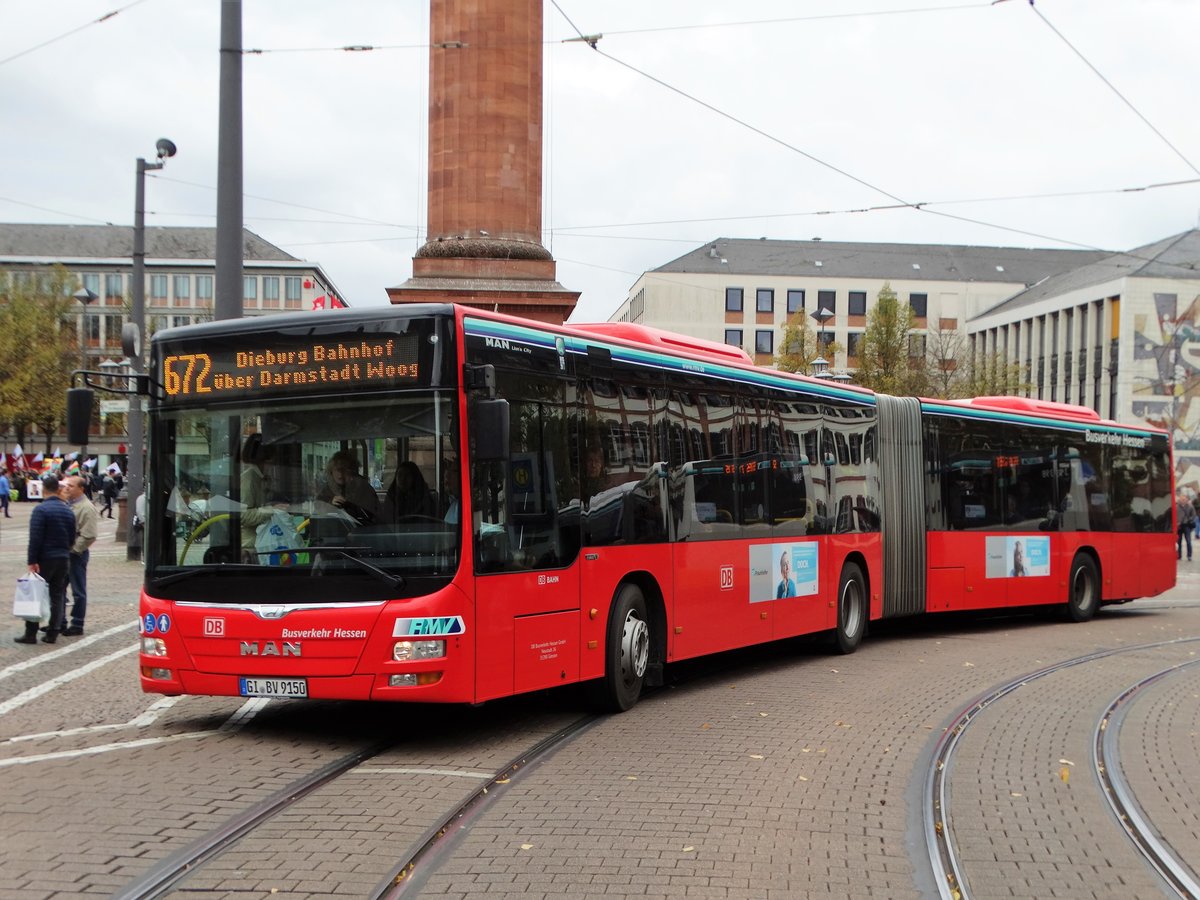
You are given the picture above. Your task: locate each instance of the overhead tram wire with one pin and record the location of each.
(884, 207)
(593, 40)
(66, 34)
(362, 48)
(1113, 88)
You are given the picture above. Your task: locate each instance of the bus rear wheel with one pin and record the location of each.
(852, 609)
(626, 653)
(1083, 589)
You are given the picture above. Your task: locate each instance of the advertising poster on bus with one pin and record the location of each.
(778, 571)
(1014, 557)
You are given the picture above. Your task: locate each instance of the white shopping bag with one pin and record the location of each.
(32, 598)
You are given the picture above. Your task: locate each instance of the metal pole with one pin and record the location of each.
(133, 468)
(228, 296)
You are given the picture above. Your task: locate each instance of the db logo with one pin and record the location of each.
(214, 627)
(727, 578)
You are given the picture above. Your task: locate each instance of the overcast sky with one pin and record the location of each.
(695, 120)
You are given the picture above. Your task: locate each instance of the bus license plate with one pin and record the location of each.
(273, 687)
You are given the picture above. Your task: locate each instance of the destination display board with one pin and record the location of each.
(270, 363)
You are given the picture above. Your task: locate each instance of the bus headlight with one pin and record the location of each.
(414, 679)
(405, 651)
(154, 647)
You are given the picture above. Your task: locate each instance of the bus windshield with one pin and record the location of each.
(285, 491)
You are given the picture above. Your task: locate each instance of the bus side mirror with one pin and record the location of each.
(490, 430)
(79, 415)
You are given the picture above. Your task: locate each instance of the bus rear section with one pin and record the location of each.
(1030, 503)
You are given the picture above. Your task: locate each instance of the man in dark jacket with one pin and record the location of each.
(51, 534)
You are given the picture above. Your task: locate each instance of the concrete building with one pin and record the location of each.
(180, 267)
(743, 291)
(1119, 333)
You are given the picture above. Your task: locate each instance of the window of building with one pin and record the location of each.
(827, 300)
(854, 342)
(249, 289)
(178, 321)
(183, 288)
(291, 292)
(733, 299)
(271, 291)
(112, 330)
(204, 287)
(764, 300)
(91, 282)
(92, 328)
(824, 339)
(114, 285)
(733, 337)
(795, 301)
(856, 305)
(919, 304)
(916, 345)
(158, 287)
(764, 341)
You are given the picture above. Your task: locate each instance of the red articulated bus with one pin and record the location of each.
(432, 503)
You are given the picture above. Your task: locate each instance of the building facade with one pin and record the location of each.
(179, 271)
(742, 292)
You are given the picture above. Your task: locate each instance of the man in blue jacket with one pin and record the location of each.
(51, 534)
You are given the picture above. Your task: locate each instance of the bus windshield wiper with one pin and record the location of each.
(205, 569)
(393, 581)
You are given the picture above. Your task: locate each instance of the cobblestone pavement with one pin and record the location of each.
(777, 772)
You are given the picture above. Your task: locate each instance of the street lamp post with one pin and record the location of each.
(165, 149)
(820, 365)
(85, 298)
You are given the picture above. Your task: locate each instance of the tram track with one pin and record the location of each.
(419, 861)
(1106, 759)
(944, 860)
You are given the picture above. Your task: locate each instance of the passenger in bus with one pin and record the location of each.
(257, 507)
(787, 586)
(347, 490)
(408, 494)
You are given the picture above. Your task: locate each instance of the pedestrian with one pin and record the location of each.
(1196, 507)
(1185, 523)
(109, 492)
(86, 526)
(5, 488)
(51, 535)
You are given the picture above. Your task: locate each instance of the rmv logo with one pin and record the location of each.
(270, 648)
(497, 343)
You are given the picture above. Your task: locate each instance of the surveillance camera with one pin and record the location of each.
(165, 148)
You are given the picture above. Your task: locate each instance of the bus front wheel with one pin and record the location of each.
(852, 609)
(1083, 590)
(626, 653)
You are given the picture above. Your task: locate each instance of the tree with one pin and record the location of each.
(38, 352)
(991, 375)
(798, 346)
(945, 353)
(885, 361)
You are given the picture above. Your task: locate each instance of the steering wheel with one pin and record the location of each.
(199, 530)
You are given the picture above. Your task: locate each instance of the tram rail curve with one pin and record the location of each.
(944, 861)
(420, 860)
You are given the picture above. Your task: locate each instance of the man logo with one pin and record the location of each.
(270, 648)
(727, 578)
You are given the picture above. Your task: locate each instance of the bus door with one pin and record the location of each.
(525, 523)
